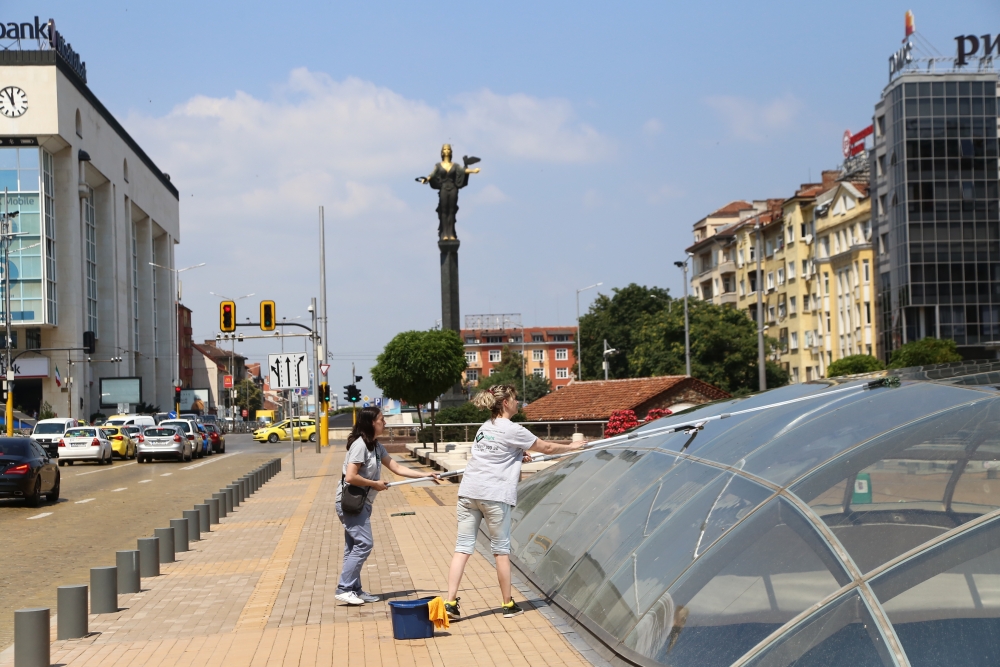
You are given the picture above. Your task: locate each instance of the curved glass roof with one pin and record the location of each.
(854, 527)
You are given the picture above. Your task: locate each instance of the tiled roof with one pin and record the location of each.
(732, 208)
(597, 399)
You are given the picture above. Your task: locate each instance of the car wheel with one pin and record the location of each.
(273, 438)
(111, 459)
(62, 463)
(36, 495)
(187, 457)
(69, 463)
(53, 495)
(312, 437)
(223, 450)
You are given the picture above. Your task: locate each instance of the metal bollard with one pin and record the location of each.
(223, 509)
(213, 510)
(103, 590)
(180, 527)
(206, 518)
(128, 571)
(31, 637)
(230, 499)
(235, 489)
(149, 556)
(71, 612)
(194, 525)
(247, 488)
(168, 549)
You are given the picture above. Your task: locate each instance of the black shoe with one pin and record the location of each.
(452, 610)
(511, 610)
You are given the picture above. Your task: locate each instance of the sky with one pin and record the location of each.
(606, 130)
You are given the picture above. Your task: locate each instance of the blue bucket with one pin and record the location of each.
(410, 620)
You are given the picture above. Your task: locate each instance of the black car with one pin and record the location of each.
(26, 471)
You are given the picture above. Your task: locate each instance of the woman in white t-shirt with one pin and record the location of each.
(489, 489)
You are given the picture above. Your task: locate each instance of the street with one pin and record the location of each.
(103, 509)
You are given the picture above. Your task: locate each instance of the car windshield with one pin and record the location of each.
(110, 431)
(184, 426)
(81, 433)
(133, 430)
(160, 432)
(210, 428)
(14, 448)
(116, 422)
(48, 429)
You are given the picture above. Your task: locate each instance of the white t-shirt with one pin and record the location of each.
(369, 465)
(495, 465)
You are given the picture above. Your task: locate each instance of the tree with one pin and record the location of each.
(613, 318)
(249, 397)
(510, 371)
(925, 352)
(854, 364)
(419, 366)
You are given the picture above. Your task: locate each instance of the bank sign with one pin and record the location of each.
(47, 32)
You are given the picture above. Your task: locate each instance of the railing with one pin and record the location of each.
(466, 431)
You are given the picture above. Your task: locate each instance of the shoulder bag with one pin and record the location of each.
(353, 498)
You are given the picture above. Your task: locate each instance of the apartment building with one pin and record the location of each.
(550, 351)
(713, 265)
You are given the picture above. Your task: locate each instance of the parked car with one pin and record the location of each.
(48, 431)
(161, 416)
(135, 433)
(191, 432)
(85, 443)
(217, 438)
(27, 471)
(121, 442)
(165, 441)
(302, 429)
(141, 421)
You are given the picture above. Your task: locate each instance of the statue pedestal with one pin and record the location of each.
(450, 313)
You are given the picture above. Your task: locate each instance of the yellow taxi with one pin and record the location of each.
(302, 429)
(122, 443)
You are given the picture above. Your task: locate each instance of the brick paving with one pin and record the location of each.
(259, 590)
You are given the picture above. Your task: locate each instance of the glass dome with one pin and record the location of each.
(853, 527)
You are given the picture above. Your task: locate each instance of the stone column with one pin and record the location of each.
(450, 312)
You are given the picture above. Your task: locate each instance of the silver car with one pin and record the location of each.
(167, 442)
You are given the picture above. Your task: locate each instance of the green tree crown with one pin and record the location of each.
(925, 352)
(419, 366)
(854, 364)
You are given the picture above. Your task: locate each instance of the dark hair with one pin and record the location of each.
(364, 428)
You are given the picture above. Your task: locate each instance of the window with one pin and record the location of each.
(538, 372)
(135, 284)
(795, 375)
(794, 340)
(494, 356)
(790, 233)
(90, 239)
(867, 271)
(562, 373)
(739, 258)
(32, 339)
(781, 276)
(494, 339)
(824, 247)
(809, 339)
(791, 305)
(805, 268)
(868, 312)
(537, 338)
(742, 287)
(562, 354)
(538, 355)
(471, 357)
(125, 170)
(561, 338)
(79, 125)
(470, 339)
(48, 195)
(791, 270)
(826, 283)
(805, 303)
(472, 375)
(883, 243)
(770, 280)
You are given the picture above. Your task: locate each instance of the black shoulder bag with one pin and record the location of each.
(353, 498)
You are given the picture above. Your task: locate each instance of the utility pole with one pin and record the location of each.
(323, 419)
(8, 359)
(315, 381)
(579, 349)
(761, 369)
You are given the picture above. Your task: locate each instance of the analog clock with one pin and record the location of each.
(13, 102)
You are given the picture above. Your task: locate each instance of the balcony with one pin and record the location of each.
(727, 267)
(727, 298)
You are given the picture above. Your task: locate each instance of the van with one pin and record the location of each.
(142, 421)
(47, 433)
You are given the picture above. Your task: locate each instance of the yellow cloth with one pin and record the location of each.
(437, 614)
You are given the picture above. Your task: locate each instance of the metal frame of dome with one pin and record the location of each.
(781, 488)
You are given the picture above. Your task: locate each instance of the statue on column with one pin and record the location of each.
(448, 178)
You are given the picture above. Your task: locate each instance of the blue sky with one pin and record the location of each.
(605, 129)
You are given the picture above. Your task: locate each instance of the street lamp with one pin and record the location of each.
(579, 349)
(608, 351)
(687, 333)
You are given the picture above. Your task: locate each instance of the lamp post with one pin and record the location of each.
(608, 351)
(579, 349)
(761, 368)
(232, 353)
(687, 328)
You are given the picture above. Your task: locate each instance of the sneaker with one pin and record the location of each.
(451, 608)
(350, 597)
(510, 610)
(367, 597)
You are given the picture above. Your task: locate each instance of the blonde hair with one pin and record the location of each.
(492, 399)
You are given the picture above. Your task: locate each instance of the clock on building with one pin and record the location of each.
(13, 102)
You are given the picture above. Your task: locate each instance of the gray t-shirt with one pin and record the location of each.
(494, 468)
(370, 465)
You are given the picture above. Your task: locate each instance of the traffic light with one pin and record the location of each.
(353, 394)
(89, 342)
(227, 316)
(324, 392)
(267, 315)
(177, 395)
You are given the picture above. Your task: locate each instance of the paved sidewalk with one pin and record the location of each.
(259, 590)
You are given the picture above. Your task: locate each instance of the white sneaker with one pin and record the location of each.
(367, 597)
(349, 598)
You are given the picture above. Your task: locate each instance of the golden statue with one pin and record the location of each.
(448, 178)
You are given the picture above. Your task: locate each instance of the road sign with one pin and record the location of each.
(227, 381)
(323, 368)
(245, 413)
(378, 402)
(365, 399)
(288, 371)
(365, 405)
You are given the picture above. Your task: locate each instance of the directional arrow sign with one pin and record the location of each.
(287, 371)
(323, 368)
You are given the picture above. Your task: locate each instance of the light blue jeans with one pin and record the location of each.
(471, 513)
(358, 543)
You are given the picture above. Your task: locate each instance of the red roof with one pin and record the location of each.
(597, 399)
(732, 208)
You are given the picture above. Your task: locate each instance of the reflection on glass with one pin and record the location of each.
(910, 485)
(842, 634)
(945, 603)
(753, 581)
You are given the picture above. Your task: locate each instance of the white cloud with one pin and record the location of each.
(753, 121)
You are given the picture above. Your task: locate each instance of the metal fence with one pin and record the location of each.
(552, 430)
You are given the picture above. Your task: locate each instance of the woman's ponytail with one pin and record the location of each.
(492, 399)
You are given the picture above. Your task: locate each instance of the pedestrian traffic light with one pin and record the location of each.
(267, 315)
(89, 342)
(227, 316)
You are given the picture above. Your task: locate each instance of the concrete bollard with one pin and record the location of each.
(234, 492)
(168, 550)
(127, 563)
(213, 510)
(31, 637)
(247, 488)
(71, 612)
(103, 590)
(230, 499)
(206, 518)
(180, 527)
(223, 509)
(149, 556)
(194, 525)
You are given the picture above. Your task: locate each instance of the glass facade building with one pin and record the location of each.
(937, 211)
(853, 527)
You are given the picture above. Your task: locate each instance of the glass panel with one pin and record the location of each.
(29, 180)
(756, 579)
(945, 602)
(8, 158)
(910, 485)
(831, 431)
(8, 179)
(841, 634)
(28, 158)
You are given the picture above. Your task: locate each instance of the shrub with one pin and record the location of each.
(620, 421)
(854, 364)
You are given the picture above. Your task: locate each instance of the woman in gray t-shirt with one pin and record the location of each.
(363, 467)
(489, 489)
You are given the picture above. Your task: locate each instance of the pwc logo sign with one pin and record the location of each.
(982, 46)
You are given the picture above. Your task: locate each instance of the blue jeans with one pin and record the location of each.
(358, 543)
(471, 513)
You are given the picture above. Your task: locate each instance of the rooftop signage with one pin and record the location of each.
(45, 32)
(971, 45)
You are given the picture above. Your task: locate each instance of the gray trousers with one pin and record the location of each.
(358, 543)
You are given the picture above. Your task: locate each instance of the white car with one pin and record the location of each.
(84, 443)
